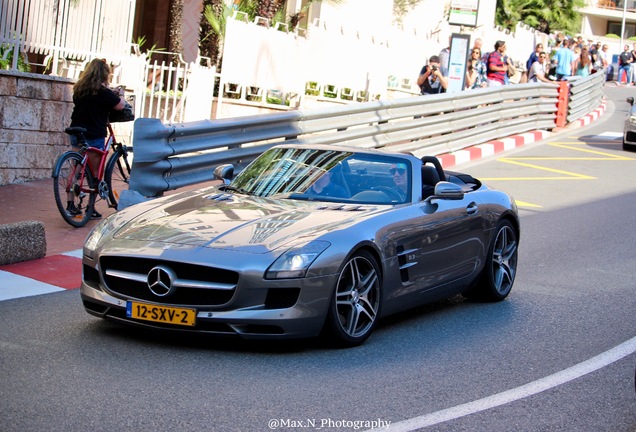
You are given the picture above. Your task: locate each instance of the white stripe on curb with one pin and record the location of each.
(16, 286)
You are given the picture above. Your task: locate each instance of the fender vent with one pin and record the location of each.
(343, 207)
(220, 197)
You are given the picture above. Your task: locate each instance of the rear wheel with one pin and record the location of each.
(355, 303)
(117, 176)
(499, 273)
(73, 198)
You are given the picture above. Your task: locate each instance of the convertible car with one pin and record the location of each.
(629, 127)
(305, 241)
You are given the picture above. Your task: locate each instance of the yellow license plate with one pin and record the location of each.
(161, 314)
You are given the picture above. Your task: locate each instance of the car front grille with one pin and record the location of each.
(199, 286)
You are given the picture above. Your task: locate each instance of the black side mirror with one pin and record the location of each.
(224, 172)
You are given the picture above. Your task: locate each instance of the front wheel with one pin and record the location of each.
(71, 186)
(355, 303)
(117, 175)
(500, 270)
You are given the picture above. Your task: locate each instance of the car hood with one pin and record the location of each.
(249, 224)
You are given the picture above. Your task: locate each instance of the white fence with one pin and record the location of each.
(62, 29)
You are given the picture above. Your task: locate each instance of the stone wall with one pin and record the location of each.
(34, 111)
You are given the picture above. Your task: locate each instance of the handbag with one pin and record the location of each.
(125, 115)
(512, 70)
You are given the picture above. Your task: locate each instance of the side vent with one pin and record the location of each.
(342, 207)
(220, 197)
(404, 261)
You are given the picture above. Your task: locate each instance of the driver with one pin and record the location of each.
(398, 173)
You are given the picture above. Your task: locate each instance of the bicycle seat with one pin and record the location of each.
(75, 130)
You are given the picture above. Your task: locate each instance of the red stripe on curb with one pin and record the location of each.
(475, 152)
(58, 270)
(498, 146)
(447, 160)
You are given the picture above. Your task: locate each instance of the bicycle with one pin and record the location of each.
(76, 187)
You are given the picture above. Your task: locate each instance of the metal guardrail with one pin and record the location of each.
(171, 156)
(585, 96)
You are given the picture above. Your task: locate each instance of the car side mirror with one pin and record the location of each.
(448, 190)
(224, 172)
(630, 100)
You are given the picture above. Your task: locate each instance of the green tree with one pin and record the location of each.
(209, 40)
(544, 15)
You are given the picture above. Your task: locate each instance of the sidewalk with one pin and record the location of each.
(61, 268)
(34, 201)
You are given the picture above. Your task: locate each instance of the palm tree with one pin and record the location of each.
(544, 15)
(176, 18)
(268, 8)
(209, 39)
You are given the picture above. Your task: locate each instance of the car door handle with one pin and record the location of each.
(472, 208)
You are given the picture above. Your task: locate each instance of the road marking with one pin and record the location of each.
(525, 204)
(530, 389)
(17, 286)
(541, 168)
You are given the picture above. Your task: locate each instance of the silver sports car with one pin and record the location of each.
(305, 240)
(629, 127)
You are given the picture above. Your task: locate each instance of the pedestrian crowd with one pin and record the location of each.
(567, 58)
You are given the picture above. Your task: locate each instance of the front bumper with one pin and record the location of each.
(297, 321)
(254, 308)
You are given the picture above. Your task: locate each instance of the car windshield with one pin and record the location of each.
(326, 175)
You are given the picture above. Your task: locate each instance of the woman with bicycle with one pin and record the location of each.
(93, 100)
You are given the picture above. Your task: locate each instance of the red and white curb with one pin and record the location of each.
(41, 276)
(491, 148)
(589, 118)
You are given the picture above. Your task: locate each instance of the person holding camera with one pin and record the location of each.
(432, 80)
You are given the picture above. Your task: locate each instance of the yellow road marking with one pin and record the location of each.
(608, 155)
(525, 204)
(540, 168)
(566, 175)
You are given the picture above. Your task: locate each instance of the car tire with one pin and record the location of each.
(355, 302)
(498, 276)
(628, 147)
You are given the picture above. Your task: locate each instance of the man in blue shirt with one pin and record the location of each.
(564, 59)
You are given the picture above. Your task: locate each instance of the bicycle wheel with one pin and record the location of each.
(74, 201)
(117, 175)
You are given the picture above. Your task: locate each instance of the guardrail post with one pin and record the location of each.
(562, 104)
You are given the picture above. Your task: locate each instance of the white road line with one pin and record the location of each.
(16, 286)
(543, 384)
(77, 253)
(609, 135)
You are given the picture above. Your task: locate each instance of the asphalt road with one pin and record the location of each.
(557, 355)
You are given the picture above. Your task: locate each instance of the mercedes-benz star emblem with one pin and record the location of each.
(161, 281)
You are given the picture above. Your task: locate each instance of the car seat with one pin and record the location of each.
(430, 178)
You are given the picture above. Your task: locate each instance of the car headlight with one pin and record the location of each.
(632, 120)
(295, 262)
(95, 236)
